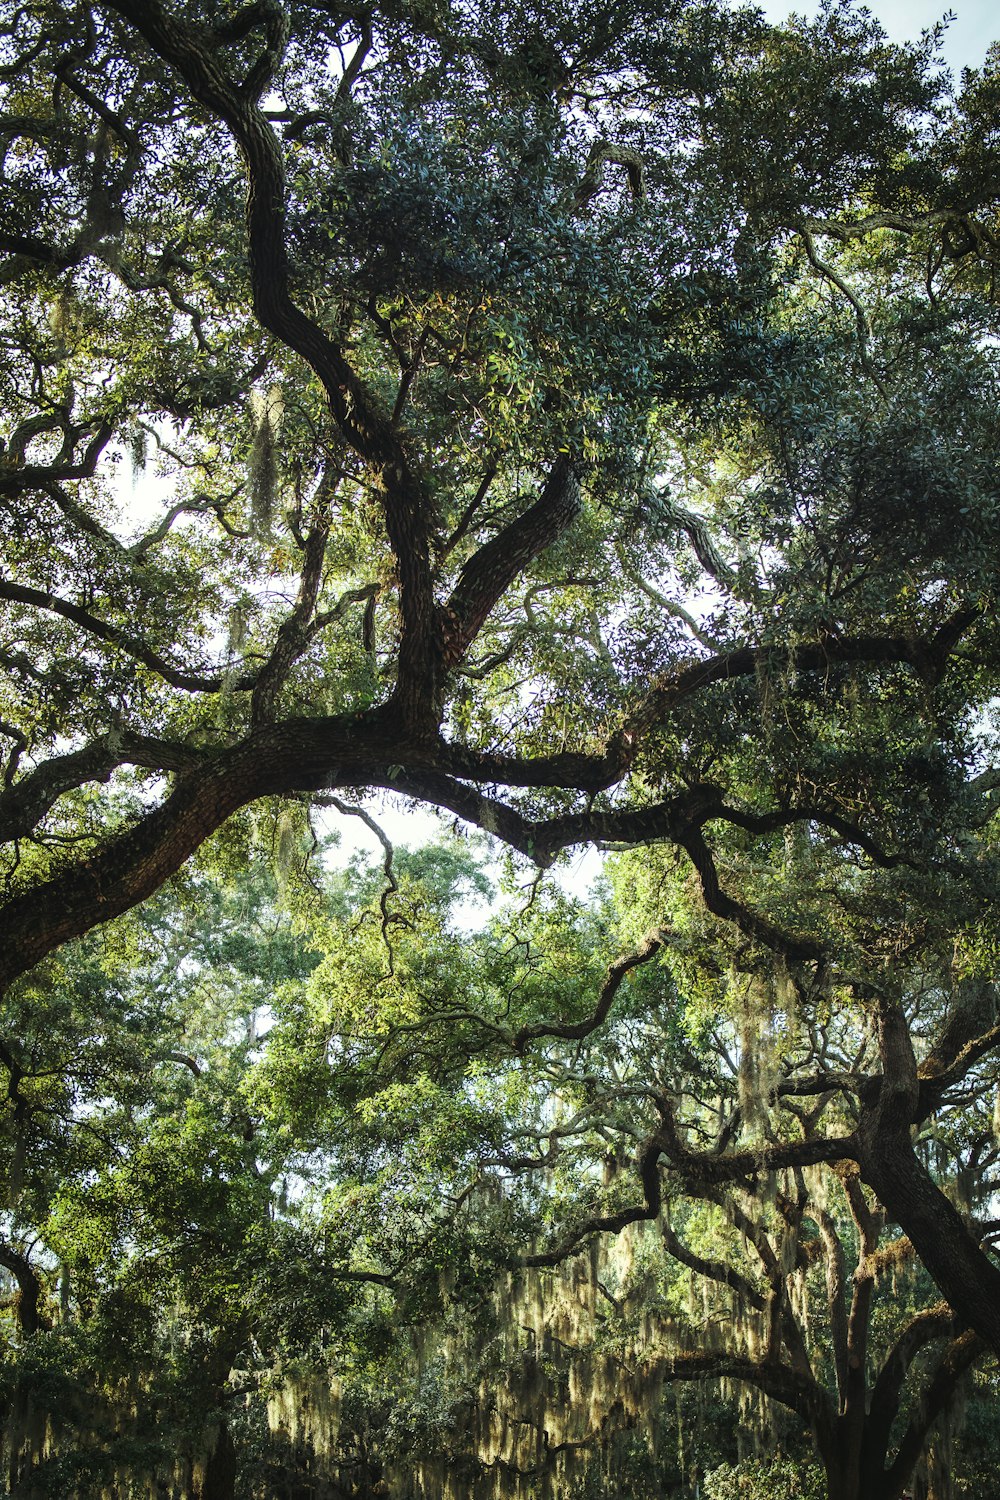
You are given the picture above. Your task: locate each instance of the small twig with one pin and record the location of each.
(392, 884)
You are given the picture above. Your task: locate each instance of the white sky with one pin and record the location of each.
(976, 24)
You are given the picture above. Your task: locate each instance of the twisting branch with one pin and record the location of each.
(364, 425)
(18, 747)
(104, 630)
(26, 800)
(491, 570)
(748, 921)
(198, 504)
(928, 658)
(713, 1270)
(794, 1389)
(20, 478)
(576, 1031)
(698, 534)
(847, 230)
(272, 19)
(969, 1035)
(958, 1357)
(392, 884)
(29, 1289)
(704, 1170)
(927, 1326)
(648, 1165)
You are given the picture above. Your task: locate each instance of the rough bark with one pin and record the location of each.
(220, 1471)
(962, 1271)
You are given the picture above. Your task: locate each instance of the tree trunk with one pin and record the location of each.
(966, 1277)
(220, 1471)
(853, 1471)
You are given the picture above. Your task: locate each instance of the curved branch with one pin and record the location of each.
(960, 1355)
(592, 180)
(16, 478)
(830, 274)
(185, 1060)
(750, 922)
(388, 854)
(576, 1031)
(25, 801)
(933, 1323)
(491, 570)
(698, 534)
(705, 1170)
(298, 755)
(713, 1270)
(967, 1037)
(928, 658)
(798, 1391)
(406, 504)
(29, 1289)
(649, 1175)
(189, 681)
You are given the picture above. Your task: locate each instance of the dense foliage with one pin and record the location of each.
(582, 421)
(302, 1217)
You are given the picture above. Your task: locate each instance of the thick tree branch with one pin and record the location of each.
(721, 904)
(298, 755)
(649, 1175)
(928, 659)
(19, 478)
(969, 1034)
(796, 1390)
(701, 1171)
(960, 1355)
(365, 427)
(718, 1271)
(835, 1271)
(25, 801)
(491, 570)
(933, 1323)
(964, 1274)
(29, 1315)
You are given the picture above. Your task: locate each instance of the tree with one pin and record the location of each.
(582, 423)
(777, 1272)
(747, 1262)
(302, 1214)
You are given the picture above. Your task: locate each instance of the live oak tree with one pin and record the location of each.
(419, 1253)
(791, 1274)
(715, 1087)
(579, 421)
(208, 1210)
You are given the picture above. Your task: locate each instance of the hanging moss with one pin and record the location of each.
(266, 414)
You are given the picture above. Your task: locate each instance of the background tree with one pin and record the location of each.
(353, 1236)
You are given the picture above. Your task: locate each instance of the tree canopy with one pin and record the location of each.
(580, 420)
